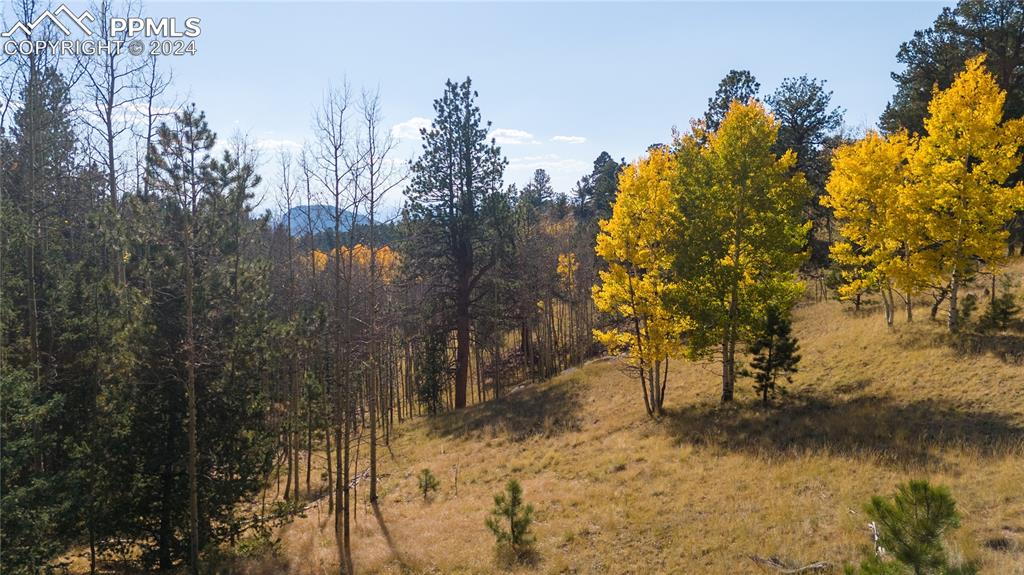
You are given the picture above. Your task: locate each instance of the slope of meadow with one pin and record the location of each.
(706, 487)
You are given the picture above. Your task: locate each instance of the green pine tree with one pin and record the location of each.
(510, 523)
(912, 527)
(427, 483)
(453, 185)
(775, 354)
(1002, 309)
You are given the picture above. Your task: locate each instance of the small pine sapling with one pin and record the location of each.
(775, 354)
(510, 523)
(427, 483)
(968, 305)
(1001, 311)
(433, 376)
(911, 528)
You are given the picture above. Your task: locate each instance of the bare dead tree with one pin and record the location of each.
(377, 177)
(153, 83)
(334, 168)
(288, 194)
(109, 112)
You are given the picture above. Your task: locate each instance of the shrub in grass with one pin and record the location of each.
(427, 483)
(510, 523)
(1000, 313)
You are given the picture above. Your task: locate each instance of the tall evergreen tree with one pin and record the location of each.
(737, 86)
(218, 319)
(935, 55)
(47, 378)
(807, 125)
(538, 191)
(454, 181)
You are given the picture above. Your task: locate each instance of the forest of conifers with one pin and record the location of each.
(181, 368)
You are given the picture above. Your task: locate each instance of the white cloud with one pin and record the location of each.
(136, 113)
(564, 172)
(552, 163)
(409, 129)
(273, 145)
(511, 137)
(569, 139)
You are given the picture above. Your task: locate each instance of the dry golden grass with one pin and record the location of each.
(709, 485)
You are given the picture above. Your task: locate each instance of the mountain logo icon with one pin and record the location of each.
(54, 17)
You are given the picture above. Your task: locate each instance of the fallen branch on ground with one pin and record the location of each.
(788, 568)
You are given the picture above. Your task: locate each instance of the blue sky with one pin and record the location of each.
(561, 82)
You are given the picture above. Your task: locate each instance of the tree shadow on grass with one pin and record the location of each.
(543, 410)
(894, 433)
(382, 524)
(1007, 346)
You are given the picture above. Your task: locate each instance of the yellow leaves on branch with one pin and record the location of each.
(752, 197)
(744, 233)
(635, 242)
(568, 266)
(704, 237)
(917, 209)
(960, 168)
(867, 193)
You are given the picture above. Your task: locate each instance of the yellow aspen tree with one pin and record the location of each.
(635, 242)
(959, 174)
(316, 260)
(882, 246)
(742, 232)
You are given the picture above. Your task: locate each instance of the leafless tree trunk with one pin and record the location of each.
(154, 85)
(334, 171)
(378, 177)
(111, 80)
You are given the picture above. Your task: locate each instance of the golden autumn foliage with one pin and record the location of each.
(386, 259)
(317, 259)
(635, 242)
(930, 210)
(959, 172)
(567, 270)
(868, 193)
(704, 238)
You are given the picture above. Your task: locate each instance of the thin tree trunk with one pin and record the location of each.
(953, 319)
(165, 529)
(193, 449)
(462, 352)
(888, 304)
(309, 444)
(347, 502)
(288, 459)
(330, 474)
(92, 547)
(729, 342)
(943, 292)
(727, 372)
(372, 398)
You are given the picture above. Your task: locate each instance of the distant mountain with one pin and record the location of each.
(320, 216)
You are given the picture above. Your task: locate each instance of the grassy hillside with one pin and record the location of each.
(709, 485)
